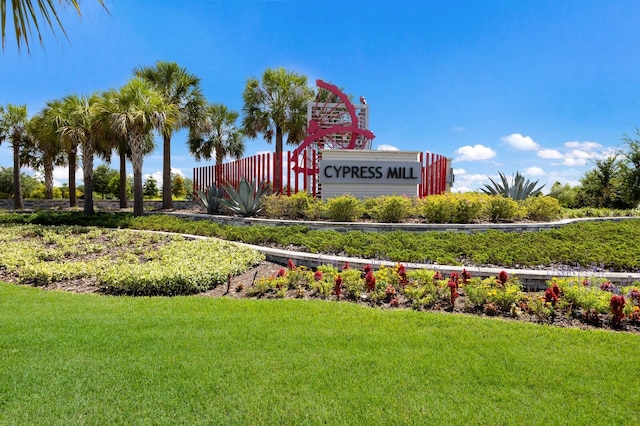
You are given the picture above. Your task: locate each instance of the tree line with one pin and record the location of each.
(163, 98)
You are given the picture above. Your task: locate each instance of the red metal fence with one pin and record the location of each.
(260, 168)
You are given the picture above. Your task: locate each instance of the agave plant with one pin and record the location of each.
(247, 199)
(211, 199)
(521, 188)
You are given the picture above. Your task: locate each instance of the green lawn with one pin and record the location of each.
(87, 359)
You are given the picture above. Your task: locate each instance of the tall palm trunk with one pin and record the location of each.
(123, 178)
(87, 171)
(47, 164)
(277, 162)
(73, 164)
(136, 161)
(167, 201)
(18, 203)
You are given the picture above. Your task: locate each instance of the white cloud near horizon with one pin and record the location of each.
(385, 147)
(518, 141)
(474, 153)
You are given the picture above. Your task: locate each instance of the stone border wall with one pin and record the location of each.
(100, 205)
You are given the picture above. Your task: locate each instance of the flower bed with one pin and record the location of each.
(567, 301)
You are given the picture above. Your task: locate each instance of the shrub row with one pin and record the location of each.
(446, 208)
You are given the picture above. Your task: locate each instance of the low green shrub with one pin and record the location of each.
(435, 209)
(502, 209)
(344, 208)
(389, 209)
(542, 209)
(469, 207)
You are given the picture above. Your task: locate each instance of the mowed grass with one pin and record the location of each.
(88, 359)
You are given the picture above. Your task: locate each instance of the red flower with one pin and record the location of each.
(453, 289)
(281, 272)
(465, 276)
(503, 277)
(402, 274)
(617, 306)
(455, 278)
(337, 289)
(318, 275)
(367, 268)
(438, 276)
(291, 265)
(345, 266)
(552, 294)
(370, 280)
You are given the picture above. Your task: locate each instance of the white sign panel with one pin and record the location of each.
(369, 172)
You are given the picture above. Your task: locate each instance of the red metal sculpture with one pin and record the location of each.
(333, 123)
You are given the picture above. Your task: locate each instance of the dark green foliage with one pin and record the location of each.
(609, 245)
(520, 189)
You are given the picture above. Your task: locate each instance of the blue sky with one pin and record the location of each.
(540, 87)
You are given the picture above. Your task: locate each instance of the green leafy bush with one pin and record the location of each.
(344, 208)
(543, 209)
(295, 206)
(389, 209)
(435, 209)
(502, 209)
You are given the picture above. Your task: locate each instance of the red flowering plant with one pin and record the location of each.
(617, 308)
(281, 272)
(401, 271)
(503, 277)
(345, 266)
(466, 276)
(290, 265)
(453, 289)
(634, 296)
(370, 281)
(455, 278)
(552, 294)
(317, 276)
(337, 289)
(438, 276)
(608, 286)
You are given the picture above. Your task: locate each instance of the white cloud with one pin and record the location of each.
(518, 141)
(583, 145)
(474, 153)
(578, 157)
(387, 148)
(535, 171)
(459, 171)
(551, 154)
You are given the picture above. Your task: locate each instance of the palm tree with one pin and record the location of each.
(134, 112)
(57, 115)
(13, 126)
(78, 129)
(182, 90)
(217, 135)
(275, 106)
(24, 17)
(47, 151)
